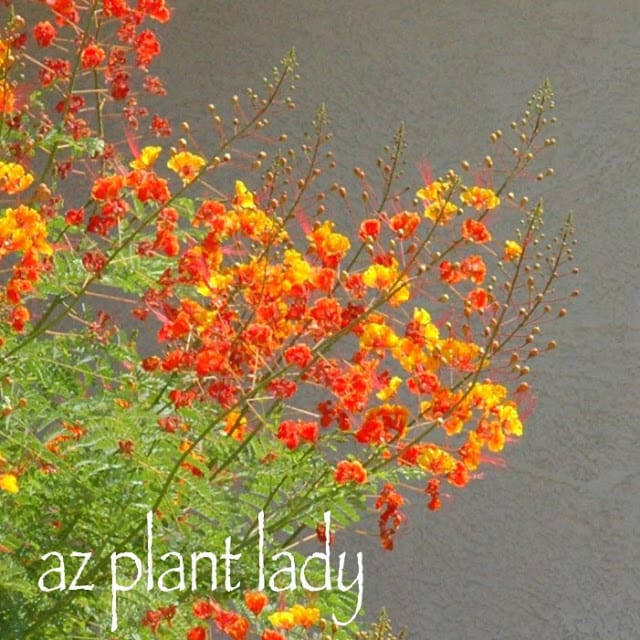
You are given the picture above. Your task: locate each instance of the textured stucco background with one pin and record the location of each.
(548, 549)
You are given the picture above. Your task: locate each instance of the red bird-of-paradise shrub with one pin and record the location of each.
(205, 377)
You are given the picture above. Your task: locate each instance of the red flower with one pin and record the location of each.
(204, 609)
(391, 518)
(474, 268)
(44, 33)
(66, 10)
(94, 261)
(155, 9)
(54, 69)
(475, 231)
(450, 272)
(115, 8)
(197, 633)
(424, 382)
(91, 56)
(147, 47)
(160, 127)
(283, 388)
(107, 188)
(256, 601)
(433, 490)
(233, 624)
(369, 230)
(74, 217)
(270, 634)
(299, 355)
(478, 299)
(19, 317)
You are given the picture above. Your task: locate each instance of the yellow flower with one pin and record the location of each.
(14, 178)
(390, 389)
(480, 198)
(436, 196)
(8, 482)
(282, 620)
(421, 316)
(436, 460)
(433, 191)
(511, 423)
(441, 211)
(428, 330)
(305, 616)
(380, 276)
(187, 165)
(146, 158)
(378, 335)
(487, 395)
(512, 250)
(244, 197)
(298, 270)
(6, 57)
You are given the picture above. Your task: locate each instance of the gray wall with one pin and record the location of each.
(549, 548)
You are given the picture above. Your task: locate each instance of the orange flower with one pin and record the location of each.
(147, 47)
(23, 229)
(14, 178)
(107, 188)
(6, 57)
(300, 355)
(383, 424)
(290, 432)
(236, 426)
(19, 317)
(450, 272)
(328, 245)
(470, 451)
(350, 471)
(7, 98)
(405, 223)
(490, 433)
